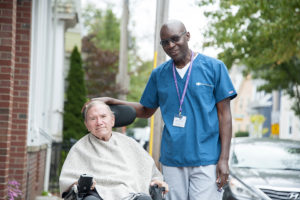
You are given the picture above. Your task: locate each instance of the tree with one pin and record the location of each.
(101, 49)
(264, 36)
(101, 52)
(138, 79)
(101, 68)
(75, 99)
(104, 26)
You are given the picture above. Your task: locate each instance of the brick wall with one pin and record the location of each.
(7, 68)
(35, 171)
(18, 158)
(16, 161)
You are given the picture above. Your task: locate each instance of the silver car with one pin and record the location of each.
(263, 168)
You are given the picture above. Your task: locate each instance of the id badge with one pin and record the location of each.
(179, 121)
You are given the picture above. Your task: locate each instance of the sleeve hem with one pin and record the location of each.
(232, 96)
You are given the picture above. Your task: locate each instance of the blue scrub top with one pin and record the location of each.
(198, 142)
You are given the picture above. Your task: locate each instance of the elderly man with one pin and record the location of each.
(119, 165)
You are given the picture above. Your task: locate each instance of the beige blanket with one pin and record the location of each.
(119, 166)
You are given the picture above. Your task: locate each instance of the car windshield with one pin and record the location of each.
(266, 155)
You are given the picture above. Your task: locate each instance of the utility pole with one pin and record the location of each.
(162, 13)
(122, 76)
(275, 115)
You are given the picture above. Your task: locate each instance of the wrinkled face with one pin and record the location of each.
(174, 41)
(99, 121)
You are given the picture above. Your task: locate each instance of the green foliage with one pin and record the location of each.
(262, 35)
(45, 193)
(285, 77)
(75, 99)
(105, 27)
(101, 48)
(101, 68)
(138, 80)
(73, 128)
(241, 134)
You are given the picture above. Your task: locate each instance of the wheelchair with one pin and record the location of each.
(156, 193)
(124, 115)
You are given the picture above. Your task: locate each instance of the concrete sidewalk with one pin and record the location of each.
(48, 198)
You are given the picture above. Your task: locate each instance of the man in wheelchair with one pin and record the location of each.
(119, 166)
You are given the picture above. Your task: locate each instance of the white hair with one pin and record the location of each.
(92, 104)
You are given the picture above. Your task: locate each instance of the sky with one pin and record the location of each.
(142, 22)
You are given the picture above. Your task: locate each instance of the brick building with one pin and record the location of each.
(32, 63)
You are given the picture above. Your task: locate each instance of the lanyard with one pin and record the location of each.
(186, 83)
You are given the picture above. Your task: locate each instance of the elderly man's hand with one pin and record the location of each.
(93, 185)
(160, 184)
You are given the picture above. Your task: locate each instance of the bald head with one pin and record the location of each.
(174, 25)
(174, 40)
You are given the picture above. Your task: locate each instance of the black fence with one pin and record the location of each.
(59, 152)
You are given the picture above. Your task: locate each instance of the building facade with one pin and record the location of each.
(289, 123)
(32, 63)
(274, 107)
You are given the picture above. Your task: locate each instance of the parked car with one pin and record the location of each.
(263, 168)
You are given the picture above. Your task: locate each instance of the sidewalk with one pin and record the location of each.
(47, 198)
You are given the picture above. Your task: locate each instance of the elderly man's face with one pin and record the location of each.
(99, 121)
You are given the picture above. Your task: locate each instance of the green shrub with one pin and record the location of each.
(242, 134)
(75, 98)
